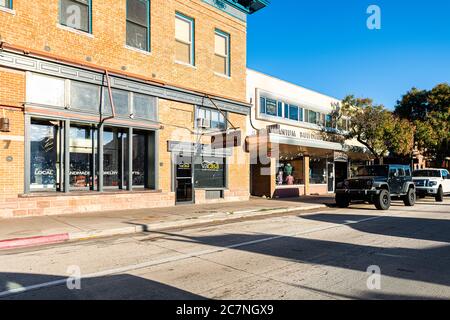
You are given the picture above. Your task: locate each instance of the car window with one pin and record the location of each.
(445, 174)
(372, 171)
(392, 172)
(408, 172)
(427, 173)
(401, 172)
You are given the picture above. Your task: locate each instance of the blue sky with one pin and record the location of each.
(326, 46)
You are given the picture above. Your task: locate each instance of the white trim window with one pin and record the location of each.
(76, 14)
(212, 119)
(138, 24)
(222, 53)
(6, 4)
(184, 39)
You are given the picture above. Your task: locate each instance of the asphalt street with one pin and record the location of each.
(319, 255)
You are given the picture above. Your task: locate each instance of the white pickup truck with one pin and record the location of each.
(432, 182)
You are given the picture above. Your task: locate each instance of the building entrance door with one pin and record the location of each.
(340, 171)
(183, 179)
(330, 167)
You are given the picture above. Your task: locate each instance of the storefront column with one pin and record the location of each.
(306, 171)
(130, 159)
(273, 176)
(66, 156)
(100, 158)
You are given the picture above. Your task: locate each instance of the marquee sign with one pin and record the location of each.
(309, 135)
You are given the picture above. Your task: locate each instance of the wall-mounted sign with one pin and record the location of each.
(184, 166)
(210, 166)
(202, 149)
(301, 134)
(340, 156)
(276, 129)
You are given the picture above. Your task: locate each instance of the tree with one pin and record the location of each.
(413, 105)
(430, 112)
(376, 128)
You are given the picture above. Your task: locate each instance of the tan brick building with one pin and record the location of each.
(175, 71)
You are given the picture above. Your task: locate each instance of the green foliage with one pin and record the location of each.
(376, 128)
(430, 112)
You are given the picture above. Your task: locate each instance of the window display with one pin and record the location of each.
(113, 157)
(82, 156)
(317, 171)
(210, 172)
(290, 172)
(43, 156)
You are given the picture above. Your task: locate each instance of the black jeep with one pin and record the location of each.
(377, 185)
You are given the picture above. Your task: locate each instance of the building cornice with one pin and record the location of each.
(96, 75)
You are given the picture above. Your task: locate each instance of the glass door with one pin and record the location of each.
(183, 178)
(330, 170)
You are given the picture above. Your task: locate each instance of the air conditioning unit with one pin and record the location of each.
(203, 123)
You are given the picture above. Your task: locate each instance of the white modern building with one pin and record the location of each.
(296, 147)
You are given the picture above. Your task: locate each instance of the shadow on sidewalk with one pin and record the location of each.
(114, 287)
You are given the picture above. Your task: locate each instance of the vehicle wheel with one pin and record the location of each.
(410, 198)
(342, 201)
(383, 200)
(440, 195)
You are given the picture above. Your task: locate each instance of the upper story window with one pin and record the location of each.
(184, 38)
(76, 14)
(271, 107)
(343, 124)
(222, 53)
(138, 24)
(6, 4)
(313, 117)
(213, 119)
(328, 121)
(293, 112)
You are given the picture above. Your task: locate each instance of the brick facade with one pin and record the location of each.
(34, 25)
(12, 95)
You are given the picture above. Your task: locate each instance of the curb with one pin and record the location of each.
(33, 241)
(88, 235)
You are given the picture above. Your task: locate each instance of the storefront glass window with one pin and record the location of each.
(144, 106)
(113, 157)
(82, 157)
(290, 172)
(209, 172)
(121, 103)
(140, 162)
(43, 156)
(38, 90)
(85, 96)
(47, 154)
(317, 171)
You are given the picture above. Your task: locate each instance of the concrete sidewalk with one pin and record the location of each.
(23, 232)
